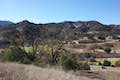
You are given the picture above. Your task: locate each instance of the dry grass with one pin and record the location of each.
(10, 71)
(110, 73)
(13, 71)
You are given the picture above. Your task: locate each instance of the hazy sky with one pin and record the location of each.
(43, 11)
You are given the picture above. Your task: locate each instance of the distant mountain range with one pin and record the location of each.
(5, 23)
(62, 29)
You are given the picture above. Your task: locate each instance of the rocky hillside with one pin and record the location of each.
(73, 30)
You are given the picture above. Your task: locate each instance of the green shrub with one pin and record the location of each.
(69, 64)
(15, 55)
(106, 63)
(86, 66)
(100, 63)
(107, 50)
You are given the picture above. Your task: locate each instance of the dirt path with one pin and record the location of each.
(110, 73)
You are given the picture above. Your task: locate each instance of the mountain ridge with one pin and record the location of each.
(70, 28)
(5, 23)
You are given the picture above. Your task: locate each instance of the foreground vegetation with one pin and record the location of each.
(14, 71)
(39, 51)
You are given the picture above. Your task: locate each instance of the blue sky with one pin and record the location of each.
(44, 11)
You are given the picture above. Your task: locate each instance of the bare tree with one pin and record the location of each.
(19, 41)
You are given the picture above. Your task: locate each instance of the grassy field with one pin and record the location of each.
(13, 71)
